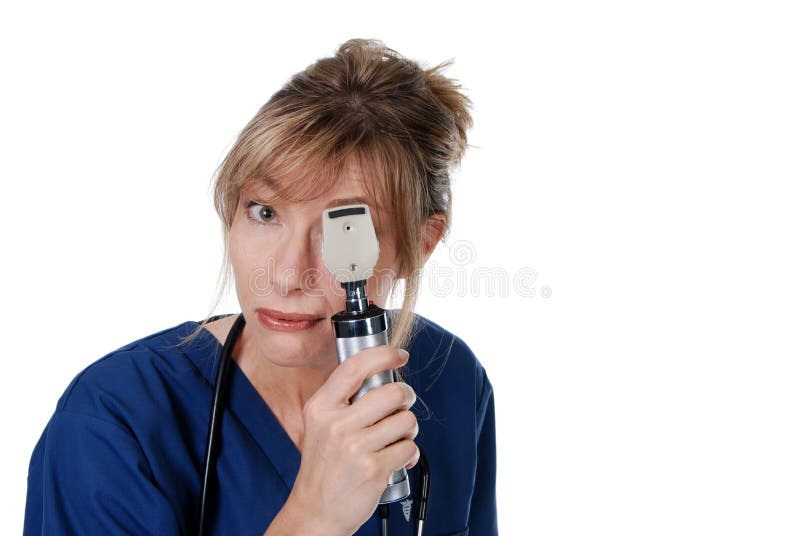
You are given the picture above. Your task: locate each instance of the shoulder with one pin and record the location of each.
(442, 360)
(434, 340)
(135, 377)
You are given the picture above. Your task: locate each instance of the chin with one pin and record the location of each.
(289, 360)
(295, 353)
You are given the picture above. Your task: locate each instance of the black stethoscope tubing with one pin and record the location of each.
(220, 385)
(214, 422)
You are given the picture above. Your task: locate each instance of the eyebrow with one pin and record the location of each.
(358, 200)
(347, 201)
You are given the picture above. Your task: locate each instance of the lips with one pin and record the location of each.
(277, 321)
(280, 315)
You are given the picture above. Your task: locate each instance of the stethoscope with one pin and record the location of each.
(220, 384)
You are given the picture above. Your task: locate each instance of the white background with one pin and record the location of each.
(640, 157)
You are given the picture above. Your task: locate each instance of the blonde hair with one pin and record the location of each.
(404, 125)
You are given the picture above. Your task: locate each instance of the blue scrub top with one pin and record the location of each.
(123, 452)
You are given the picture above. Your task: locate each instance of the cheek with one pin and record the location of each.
(248, 260)
(247, 247)
(333, 292)
(335, 304)
(238, 253)
(387, 261)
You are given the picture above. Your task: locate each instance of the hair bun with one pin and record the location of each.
(449, 92)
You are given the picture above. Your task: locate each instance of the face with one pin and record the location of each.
(276, 252)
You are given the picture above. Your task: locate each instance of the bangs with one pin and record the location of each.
(306, 166)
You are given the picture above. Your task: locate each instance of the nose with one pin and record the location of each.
(298, 262)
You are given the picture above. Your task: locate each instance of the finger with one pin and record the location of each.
(347, 378)
(382, 401)
(401, 425)
(398, 455)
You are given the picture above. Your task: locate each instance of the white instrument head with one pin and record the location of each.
(349, 245)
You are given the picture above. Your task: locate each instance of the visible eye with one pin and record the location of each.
(260, 214)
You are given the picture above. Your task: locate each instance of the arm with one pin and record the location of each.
(483, 509)
(291, 521)
(90, 476)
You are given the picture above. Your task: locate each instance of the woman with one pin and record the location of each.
(124, 450)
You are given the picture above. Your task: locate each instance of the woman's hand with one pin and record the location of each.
(346, 463)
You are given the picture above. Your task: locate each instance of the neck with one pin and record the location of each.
(286, 389)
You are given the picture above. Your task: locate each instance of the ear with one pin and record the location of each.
(432, 233)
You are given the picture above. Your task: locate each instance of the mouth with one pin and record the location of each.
(283, 321)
